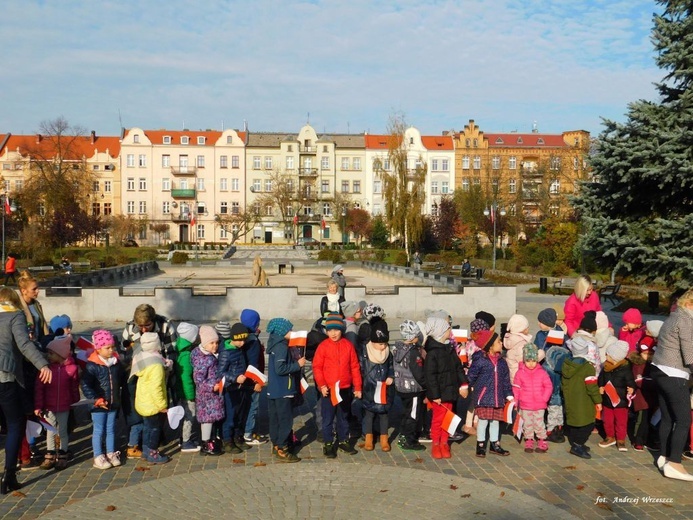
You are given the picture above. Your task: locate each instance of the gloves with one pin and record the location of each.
(219, 388)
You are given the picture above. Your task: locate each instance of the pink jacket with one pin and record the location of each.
(514, 342)
(632, 337)
(575, 310)
(62, 391)
(532, 388)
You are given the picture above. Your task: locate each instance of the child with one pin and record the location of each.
(335, 363)
(231, 369)
(616, 371)
(604, 335)
(255, 356)
(515, 339)
(649, 341)
(209, 403)
(377, 367)
(151, 399)
(471, 347)
(582, 397)
(633, 330)
(407, 357)
(553, 366)
(101, 381)
(583, 339)
(185, 386)
(532, 389)
(282, 388)
(490, 376)
(53, 400)
(547, 322)
(645, 402)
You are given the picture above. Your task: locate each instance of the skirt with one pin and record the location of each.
(488, 413)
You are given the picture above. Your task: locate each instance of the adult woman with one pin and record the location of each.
(28, 292)
(332, 300)
(583, 299)
(338, 276)
(15, 343)
(672, 367)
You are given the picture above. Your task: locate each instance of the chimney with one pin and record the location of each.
(38, 138)
(93, 137)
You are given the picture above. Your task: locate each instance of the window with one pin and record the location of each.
(575, 163)
(540, 141)
(200, 161)
(386, 163)
(268, 185)
(229, 139)
(165, 184)
(184, 140)
(222, 233)
(465, 184)
(553, 209)
(200, 231)
(465, 162)
(143, 184)
(519, 140)
(477, 162)
(107, 210)
(142, 160)
(183, 163)
(200, 140)
(289, 163)
(257, 185)
(325, 163)
(494, 184)
(183, 184)
(223, 184)
(512, 162)
(324, 149)
(290, 210)
(201, 208)
(166, 207)
(356, 163)
(235, 208)
(345, 163)
(131, 207)
(200, 184)
(18, 185)
(512, 186)
(268, 163)
(477, 181)
(235, 161)
(107, 186)
(42, 209)
(555, 187)
(445, 165)
(131, 184)
(467, 142)
(476, 143)
(496, 162)
(376, 210)
(376, 186)
(143, 207)
(224, 208)
(434, 210)
(434, 187)
(289, 148)
(136, 138)
(257, 162)
(130, 160)
(6, 166)
(167, 139)
(345, 186)
(95, 167)
(143, 233)
(165, 161)
(357, 186)
(268, 210)
(95, 186)
(327, 209)
(555, 163)
(434, 165)
(445, 187)
(235, 184)
(95, 208)
(325, 186)
(290, 185)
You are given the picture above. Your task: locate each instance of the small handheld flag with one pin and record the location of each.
(610, 390)
(254, 374)
(298, 338)
(335, 396)
(517, 426)
(508, 412)
(451, 422)
(304, 385)
(555, 337)
(460, 335)
(380, 393)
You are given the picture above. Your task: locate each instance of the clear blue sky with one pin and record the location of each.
(350, 64)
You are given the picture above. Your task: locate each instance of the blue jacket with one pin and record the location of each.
(102, 381)
(491, 382)
(231, 365)
(371, 374)
(283, 370)
(553, 364)
(540, 338)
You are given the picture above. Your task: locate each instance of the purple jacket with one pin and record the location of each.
(62, 391)
(532, 388)
(209, 405)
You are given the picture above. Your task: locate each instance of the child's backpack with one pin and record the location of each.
(404, 379)
(315, 336)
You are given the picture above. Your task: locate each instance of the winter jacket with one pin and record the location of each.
(183, 370)
(341, 282)
(102, 381)
(151, 396)
(584, 340)
(231, 365)
(575, 310)
(408, 363)
(209, 405)
(62, 391)
(283, 369)
(336, 361)
(372, 373)
(580, 392)
(646, 396)
(514, 343)
(632, 337)
(490, 379)
(324, 302)
(15, 345)
(163, 327)
(254, 354)
(553, 366)
(540, 339)
(621, 376)
(674, 342)
(532, 388)
(443, 372)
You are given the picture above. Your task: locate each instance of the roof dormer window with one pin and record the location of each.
(200, 139)
(499, 141)
(136, 138)
(184, 139)
(540, 141)
(167, 139)
(229, 140)
(519, 140)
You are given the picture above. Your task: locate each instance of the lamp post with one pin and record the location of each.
(345, 235)
(492, 212)
(5, 207)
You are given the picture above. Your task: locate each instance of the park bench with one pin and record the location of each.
(430, 266)
(563, 283)
(469, 274)
(610, 292)
(41, 268)
(80, 265)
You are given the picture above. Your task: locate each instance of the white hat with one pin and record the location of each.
(188, 331)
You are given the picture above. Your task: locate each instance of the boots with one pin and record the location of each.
(529, 446)
(497, 450)
(48, 461)
(436, 452)
(9, 482)
(368, 446)
(445, 450)
(385, 443)
(61, 461)
(556, 435)
(481, 449)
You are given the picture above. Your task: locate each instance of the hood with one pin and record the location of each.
(555, 357)
(273, 341)
(636, 358)
(572, 366)
(183, 345)
(513, 339)
(432, 344)
(580, 346)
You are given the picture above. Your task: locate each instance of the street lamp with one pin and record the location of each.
(7, 208)
(344, 231)
(492, 213)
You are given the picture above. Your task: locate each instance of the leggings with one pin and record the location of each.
(494, 430)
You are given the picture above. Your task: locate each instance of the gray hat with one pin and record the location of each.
(223, 328)
(618, 350)
(653, 327)
(349, 308)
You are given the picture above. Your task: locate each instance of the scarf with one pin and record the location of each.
(377, 356)
(610, 367)
(143, 359)
(7, 306)
(207, 352)
(333, 302)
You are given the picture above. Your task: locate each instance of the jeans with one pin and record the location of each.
(281, 421)
(254, 399)
(338, 414)
(104, 426)
(135, 436)
(152, 431)
(675, 404)
(59, 420)
(235, 405)
(10, 402)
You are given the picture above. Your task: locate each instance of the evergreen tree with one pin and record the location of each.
(638, 210)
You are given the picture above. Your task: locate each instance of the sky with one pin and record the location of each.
(343, 66)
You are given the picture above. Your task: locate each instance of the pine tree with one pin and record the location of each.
(638, 211)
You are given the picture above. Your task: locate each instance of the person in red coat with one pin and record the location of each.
(338, 377)
(583, 299)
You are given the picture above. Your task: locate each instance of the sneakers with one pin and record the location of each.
(189, 447)
(347, 448)
(556, 435)
(48, 462)
(240, 443)
(284, 455)
(233, 448)
(425, 437)
(542, 447)
(29, 464)
(457, 436)
(330, 450)
(621, 445)
(114, 459)
(404, 445)
(529, 446)
(134, 452)
(210, 448)
(101, 462)
(155, 457)
(580, 451)
(481, 449)
(688, 455)
(638, 447)
(609, 441)
(255, 439)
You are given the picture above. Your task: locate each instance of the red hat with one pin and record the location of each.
(485, 338)
(633, 316)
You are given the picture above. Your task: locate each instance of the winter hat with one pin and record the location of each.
(579, 347)
(239, 332)
(409, 330)
(440, 313)
(334, 321)
(223, 329)
(60, 322)
(530, 352)
(517, 323)
(487, 317)
(251, 319)
(589, 321)
(653, 327)
(560, 312)
(149, 342)
(436, 327)
(477, 325)
(279, 326)
(337, 268)
(379, 332)
(207, 335)
(633, 316)
(485, 339)
(188, 331)
(547, 317)
(349, 308)
(102, 338)
(617, 351)
(602, 320)
(371, 311)
(61, 346)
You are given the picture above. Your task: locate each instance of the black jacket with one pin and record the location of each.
(443, 372)
(621, 376)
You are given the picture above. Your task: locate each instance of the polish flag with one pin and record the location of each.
(296, 219)
(555, 337)
(322, 224)
(380, 393)
(597, 413)
(8, 208)
(84, 344)
(460, 335)
(335, 396)
(450, 422)
(304, 385)
(463, 356)
(298, 338)
(517, 427)
(610, 390)
(253, 373)
(508, 412)
(83, 351)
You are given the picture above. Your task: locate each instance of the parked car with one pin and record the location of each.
(308, 241)
(130, 243)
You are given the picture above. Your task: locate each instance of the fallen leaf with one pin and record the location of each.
(580, 487)
(528, 478)
(238, 461)
(667, 505)
(453, 486)
(467, 495)
(502, 493)
(418, 460)
(259, 464)
(18, 494)
(384, 490)
(110, 508)
(604, 505)
(570, 467)
(142, 468)
(600, 494)
(361, 444)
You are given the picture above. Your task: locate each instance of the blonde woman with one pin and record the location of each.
(332, 301)
(583, 299)
(28, 294)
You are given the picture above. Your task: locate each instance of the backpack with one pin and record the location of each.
(404, 379)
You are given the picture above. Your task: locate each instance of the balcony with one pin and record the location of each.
(307, 149)
(187, 193)
(180, 218)
(183, 170)
(307, 172)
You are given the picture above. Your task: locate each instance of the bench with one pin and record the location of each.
(471, 273)
(282, 268)
(430, 265)
(41, 268)
(81, 265)
(610, 292)
(563, 283)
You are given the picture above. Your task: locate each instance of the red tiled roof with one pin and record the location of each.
(378, 142)
(211, 137)
(525, 140)
(435, 142)
(80, 147)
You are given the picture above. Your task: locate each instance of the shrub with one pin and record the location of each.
(401, 258)
(380, 255)
(179, 258)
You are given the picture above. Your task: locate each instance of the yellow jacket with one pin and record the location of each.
(150, 397)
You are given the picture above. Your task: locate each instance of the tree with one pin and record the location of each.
(447, 226)
(403, 187)
(160, 228)
(122, 227)
(379, 235)
(638, 212)
(358, 223)
(237, 225)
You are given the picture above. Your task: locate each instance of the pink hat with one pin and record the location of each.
(61, 346)
(633, 316)
(102, 338)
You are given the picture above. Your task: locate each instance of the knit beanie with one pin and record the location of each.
(487, 317)
(547, 317)
(617, 351)
(251, 319)
(102, 338)
(61, 346)
(517, 323)
(349, 308)
(223, 329)
(372, 310)
(379, 332)
(60, 322)
(409, 330)
(589, 321)
(602, 320)
(579, 347)
(633, 316)
(653, 327)
(530, 352)
(477, 325)
(207, 335)
(279, 326)
(239, 332)
(149, 342)
(436, 327)
(337, 268)
(188, 331)
(485, 339)
(334, 321)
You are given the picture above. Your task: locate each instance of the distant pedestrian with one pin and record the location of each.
(417, 259)
(10, 268)
(338, 276)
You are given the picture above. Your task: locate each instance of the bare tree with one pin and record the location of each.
(237, 225)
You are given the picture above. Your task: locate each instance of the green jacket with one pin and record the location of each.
(185, 386)
(580, 392)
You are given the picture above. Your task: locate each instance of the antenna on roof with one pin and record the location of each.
(534, 128)
(120, 120)
(308, 120)
(348, 128)
(222, 125)
(183, 124)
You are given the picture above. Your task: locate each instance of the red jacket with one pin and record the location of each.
(62, 391)
(336, 361)
(632, 337)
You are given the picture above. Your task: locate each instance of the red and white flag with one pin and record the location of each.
(460, 335)
(304, 385)
(450, 422)
(298, 338)
(610, 390)
(254, 374)
(8, 208)
(555, 337)
(380, 393)
(508, 412)
(335, 396)
(517, 427)
(296, 219)
(322, 224)
(83, 351)
(591, 380)
(597, 413)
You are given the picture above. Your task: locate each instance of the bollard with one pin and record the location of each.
(543, 284)
(653, 300)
